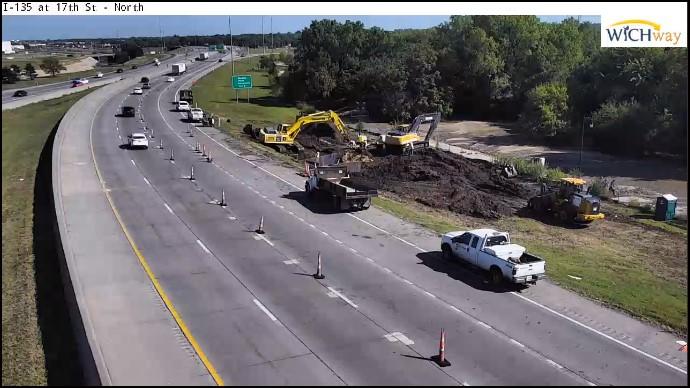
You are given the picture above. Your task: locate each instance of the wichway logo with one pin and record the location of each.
(640, 32)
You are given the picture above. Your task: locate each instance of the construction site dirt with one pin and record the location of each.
(443, 180)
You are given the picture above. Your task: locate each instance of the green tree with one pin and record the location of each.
(52, 65)
(546, 110)
(29, 68)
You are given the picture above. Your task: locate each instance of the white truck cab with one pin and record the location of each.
(183, 106)
(493, 251)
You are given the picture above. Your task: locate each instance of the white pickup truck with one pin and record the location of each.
(491, 250)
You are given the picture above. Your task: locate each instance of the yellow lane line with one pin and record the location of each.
(180, 322)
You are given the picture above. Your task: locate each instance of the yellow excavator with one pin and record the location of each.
(283, 136)
(407, 137)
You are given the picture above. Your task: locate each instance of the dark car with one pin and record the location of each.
(220, 60)
(128, 111)
(144, 80)
(134, 66)
(20, 93)
(119, 71)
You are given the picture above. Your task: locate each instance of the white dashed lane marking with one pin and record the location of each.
(203, 246)
(265, 310)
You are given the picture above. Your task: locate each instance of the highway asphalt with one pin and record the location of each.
(260, 316)
(7, 95)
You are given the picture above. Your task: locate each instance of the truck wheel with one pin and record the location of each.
(495, 276)
(447, 252)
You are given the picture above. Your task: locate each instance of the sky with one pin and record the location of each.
(66, 27)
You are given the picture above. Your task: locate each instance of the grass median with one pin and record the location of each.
(36, 337)
(617, 263)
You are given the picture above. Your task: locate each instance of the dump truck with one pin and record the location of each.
(186, 95)
(334, 182)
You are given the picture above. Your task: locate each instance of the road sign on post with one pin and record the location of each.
(242, 82)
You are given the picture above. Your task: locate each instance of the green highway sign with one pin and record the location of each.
(242, 82)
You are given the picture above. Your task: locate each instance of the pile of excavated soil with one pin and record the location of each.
(322, 138)
(444, 180)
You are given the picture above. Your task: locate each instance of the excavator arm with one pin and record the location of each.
(286, 134)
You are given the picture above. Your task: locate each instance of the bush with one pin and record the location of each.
(546, 110)
(600, 187)
(305, 108)
(576, 172)
(529, 168)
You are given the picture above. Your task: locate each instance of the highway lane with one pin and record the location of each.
(237, 335)
(7, 95)
(345, 341)
(569, 345)
(346, 273)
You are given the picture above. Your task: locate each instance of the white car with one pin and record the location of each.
(195, 114)
(183, 106)
(138, 140)
(171, 79)
(137, 91)
(99, 75)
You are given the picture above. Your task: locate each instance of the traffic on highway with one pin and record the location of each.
(212, 233)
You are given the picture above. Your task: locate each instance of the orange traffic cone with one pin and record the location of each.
(319, 274)
(440, 359)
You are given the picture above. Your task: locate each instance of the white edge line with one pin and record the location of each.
(132, 160)
(517, 343)
(168, 207)
(485, 324)
(554, 363)
(203, 246)
(265, 310)
(387, 270)
(338, 241)
(348, 301)
(602, 334)
(147, 181)
(430, 294)
(408, 282)
(265, 239)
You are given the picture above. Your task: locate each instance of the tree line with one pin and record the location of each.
(550, 79)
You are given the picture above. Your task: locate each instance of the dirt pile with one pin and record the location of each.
(322, 138)
(443, 180)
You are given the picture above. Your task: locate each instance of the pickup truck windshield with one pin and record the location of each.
(496, 240)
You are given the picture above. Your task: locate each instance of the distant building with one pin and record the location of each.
(7, 47)
(18, 47)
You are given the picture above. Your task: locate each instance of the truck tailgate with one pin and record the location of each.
(534, 268)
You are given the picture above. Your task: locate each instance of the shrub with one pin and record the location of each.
(305, 108)
(600, 187)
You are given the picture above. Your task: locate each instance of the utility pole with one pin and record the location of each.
(262, 35)
(232, 59)
(160, 33)
(271, 33)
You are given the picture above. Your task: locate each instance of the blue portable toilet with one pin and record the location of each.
(665, 207)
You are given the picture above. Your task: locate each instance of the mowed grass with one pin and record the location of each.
(24, 134)
(611, 272)
(214, 93)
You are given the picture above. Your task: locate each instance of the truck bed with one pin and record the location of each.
(353, 189)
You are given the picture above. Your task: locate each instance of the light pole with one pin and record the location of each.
(582, 136)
